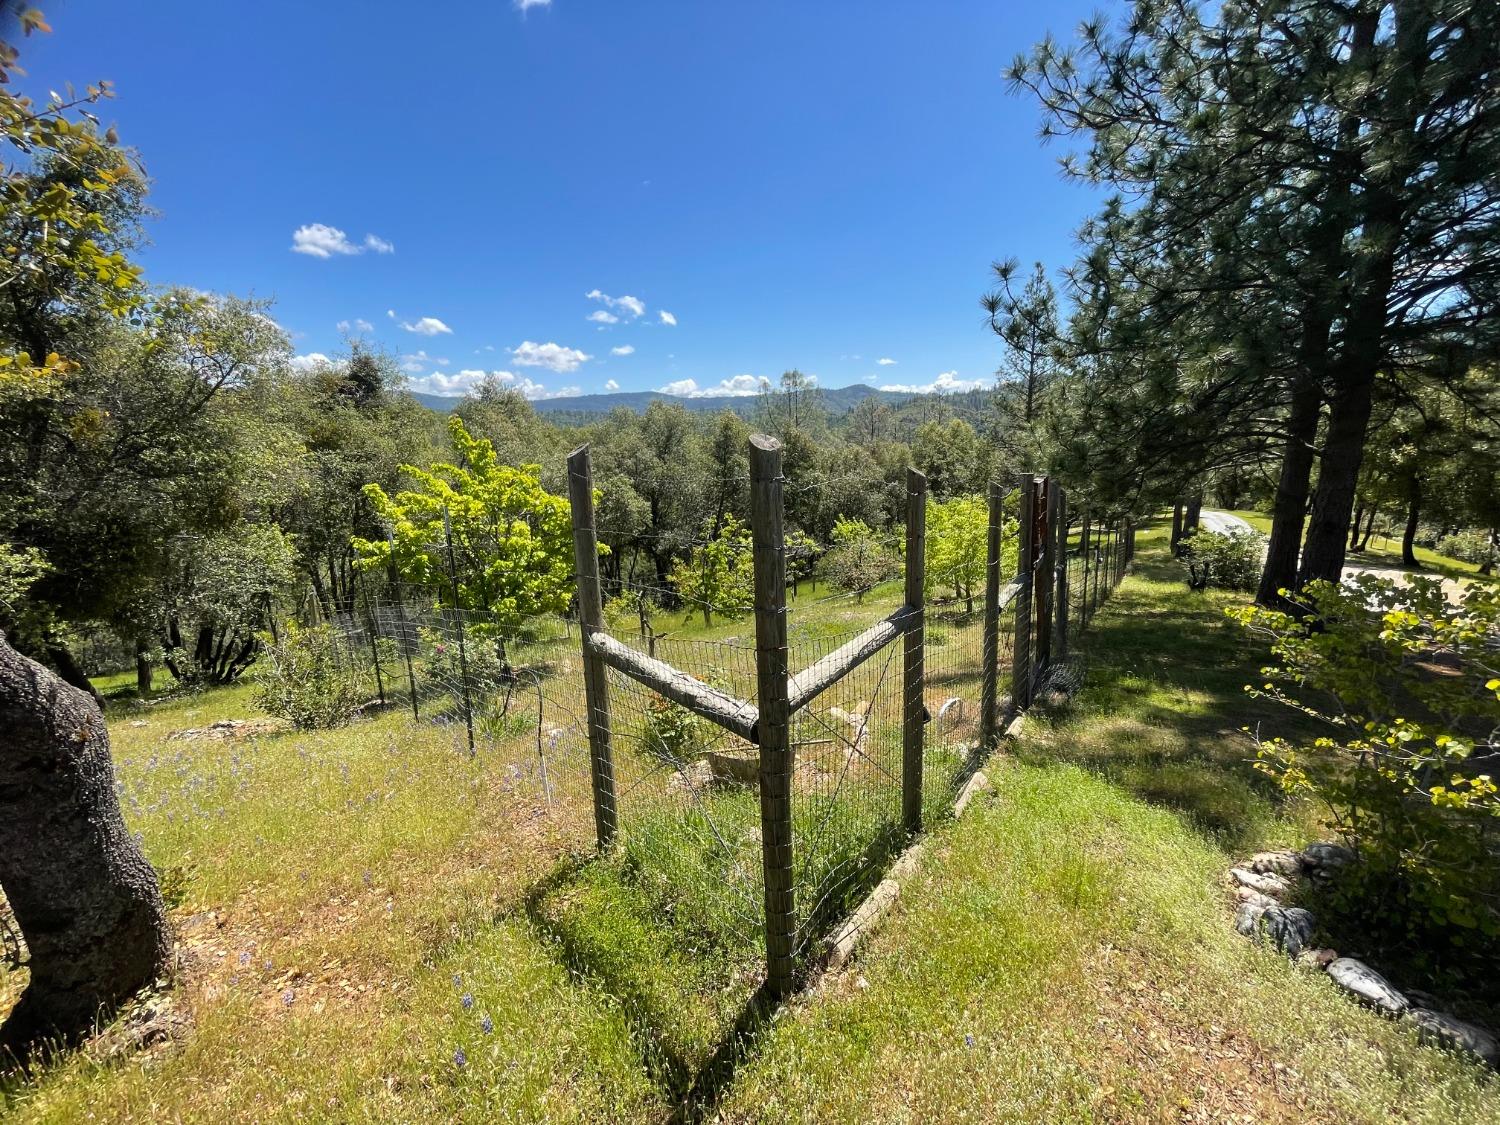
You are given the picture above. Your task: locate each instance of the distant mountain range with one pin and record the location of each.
(836, 400)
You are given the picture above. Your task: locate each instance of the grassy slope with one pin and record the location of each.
(340, 893)
(1066, 951)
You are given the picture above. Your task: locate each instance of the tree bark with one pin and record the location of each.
(86, 900)
(1413, 519)
(1324, 550)
(1292, 487)
(1359, 515)
(1193, 515)
(72, 672)
(1364, 541)
(1176, 526)
(143, 671)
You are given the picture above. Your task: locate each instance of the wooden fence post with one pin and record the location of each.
(773, 728)
(914, 707)
(591, 620)
(989, 682)
(1020, 691)
(458, 614)
(1060, 601)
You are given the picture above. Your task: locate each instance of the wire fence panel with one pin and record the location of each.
(685, 780)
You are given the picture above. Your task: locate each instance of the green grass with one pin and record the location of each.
(1064, 953)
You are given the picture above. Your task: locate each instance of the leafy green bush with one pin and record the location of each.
(1406, 688)
(672, 732)
(309, 678)
(858, 561)
(1231, 562)
(1477, 547)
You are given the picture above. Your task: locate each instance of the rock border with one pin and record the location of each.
(1263, 886)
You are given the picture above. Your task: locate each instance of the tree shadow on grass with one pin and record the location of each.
(1163, 710)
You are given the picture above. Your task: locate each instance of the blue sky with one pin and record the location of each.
(477, 187)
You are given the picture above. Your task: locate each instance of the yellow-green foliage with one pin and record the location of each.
(1404, 683)
(512, 539)
(719, 574)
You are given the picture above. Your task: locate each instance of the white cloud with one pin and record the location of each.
(358, 324)
(736, 386)
(886, 361)
(623, 349)
(524, 5)
(633, 305)
(309, 361)
(554, 357)
(611, 385)
(319, 240)
(946, 383)
(667, 318)
(599, 316)
(391, 313)
(418, 360)
(462, 382)
(428, 326)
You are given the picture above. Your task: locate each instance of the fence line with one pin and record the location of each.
(761, 783)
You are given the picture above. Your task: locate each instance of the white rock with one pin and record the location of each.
(1449, 1031)
(1288, 928)
(1272, 886)
(1248, 917)
(1357, 977)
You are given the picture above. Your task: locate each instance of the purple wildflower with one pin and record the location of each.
(467, 1001)
(487, 1025)
(287, 997)
(460, 1059)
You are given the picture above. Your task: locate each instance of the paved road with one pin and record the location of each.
(1223, 523)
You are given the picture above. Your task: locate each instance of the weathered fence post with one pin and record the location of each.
(1020, 691)
(773, 728)
(458, 613)
(989, 681)
(914, 707)
(590, 621)
(1046, 541)
(1060, 602)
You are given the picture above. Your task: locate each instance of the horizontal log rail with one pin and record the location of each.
(734, 715)
(821, 675)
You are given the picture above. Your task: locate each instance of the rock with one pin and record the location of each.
(734, 769)
(1249, 894)
(1317, 958)
(1448, 1031)
(1357, 977)
(1276, 863)
(1288, 928)
(1327, 857)
(1272, 886)
(1247, 918)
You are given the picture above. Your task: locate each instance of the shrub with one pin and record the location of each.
(1405, 686)
(309, 678)
(672, 732)
(858, 561)
(1231, 562)
(1478, 547)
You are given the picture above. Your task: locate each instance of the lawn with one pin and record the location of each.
(378, 927)
(1385, 552)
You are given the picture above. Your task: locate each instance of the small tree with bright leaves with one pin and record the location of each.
(719, 574)
(858, 561)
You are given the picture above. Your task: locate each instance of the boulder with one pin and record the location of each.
(1272, 886)
(1248, 894)
(1448, 1031)
(1317, 958)
(1276, 863)
(1247, 918)
(1327, 856)
(1364, 982)
(1288, 928)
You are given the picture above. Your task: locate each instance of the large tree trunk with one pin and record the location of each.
(1364, 540)
(1359, 515)
(72, 672)
(1280, 570)
(1194, 513)
(1176, 526)
(1413, 520)
(1325, 548)
(86, 900)
(143, 670)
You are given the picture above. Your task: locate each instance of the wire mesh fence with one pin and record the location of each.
(674, 765)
